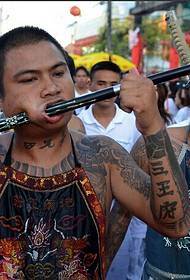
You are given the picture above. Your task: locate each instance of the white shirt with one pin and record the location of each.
(171, 107)
(122, 128)
(182, 115)
(78, 110)
(181, 124)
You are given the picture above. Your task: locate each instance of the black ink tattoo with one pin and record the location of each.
(158, 169)
(167, 210)
(48, 143)
(159, 146)
(164, 189)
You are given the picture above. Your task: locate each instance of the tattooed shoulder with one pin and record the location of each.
(100, 149)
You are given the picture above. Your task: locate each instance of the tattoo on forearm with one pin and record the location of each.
(155, 145)
(159, 146)
(158, 169)
(163, 189)
(167, 210)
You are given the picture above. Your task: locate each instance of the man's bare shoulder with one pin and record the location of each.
(5, 140)
(95, 142)
(76, 124)
(98, 150)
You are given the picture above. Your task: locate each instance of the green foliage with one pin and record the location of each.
(120, 29)
(152, 34)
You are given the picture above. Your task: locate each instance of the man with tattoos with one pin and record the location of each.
(57, 186)
(167, 258)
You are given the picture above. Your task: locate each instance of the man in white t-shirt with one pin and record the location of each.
(106, 118)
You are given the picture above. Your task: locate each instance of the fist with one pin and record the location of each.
(138, 94)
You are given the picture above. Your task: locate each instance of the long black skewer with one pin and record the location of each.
(61, 107)
(87, 99)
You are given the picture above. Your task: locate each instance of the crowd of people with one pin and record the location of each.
(98, 193)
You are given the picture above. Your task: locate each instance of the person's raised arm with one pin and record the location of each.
(165, 204)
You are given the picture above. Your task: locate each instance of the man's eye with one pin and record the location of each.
(59, 74)
(28, 80)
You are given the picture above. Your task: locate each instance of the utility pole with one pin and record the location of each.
(109, 30)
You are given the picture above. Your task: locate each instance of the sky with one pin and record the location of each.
(53, 16)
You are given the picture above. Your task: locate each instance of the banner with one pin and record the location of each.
(173, 58)
(136, 47)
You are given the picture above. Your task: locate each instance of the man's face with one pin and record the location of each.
(34, 76)
(81, 79)
(103, 79)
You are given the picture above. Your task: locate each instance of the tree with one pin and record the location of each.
(154, 31)
(120, 29)
(152, 34)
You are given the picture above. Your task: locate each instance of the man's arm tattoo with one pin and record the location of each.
(159, 151)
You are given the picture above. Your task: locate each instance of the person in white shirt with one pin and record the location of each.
(169, 104)
(81, 79)
(106, 118)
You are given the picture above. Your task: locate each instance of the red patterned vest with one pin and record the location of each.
(50, 227)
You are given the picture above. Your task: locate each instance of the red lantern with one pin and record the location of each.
(75, 11)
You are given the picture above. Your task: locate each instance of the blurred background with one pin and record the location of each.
(133, 30)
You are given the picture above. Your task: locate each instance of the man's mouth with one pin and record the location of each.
(55, 118)
(52, 119)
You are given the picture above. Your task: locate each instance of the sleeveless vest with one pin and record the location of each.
(50, 227)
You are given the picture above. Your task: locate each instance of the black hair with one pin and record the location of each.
(105, 65)
(83, 69)
(162, 90)
(21, 36)
(184, 96)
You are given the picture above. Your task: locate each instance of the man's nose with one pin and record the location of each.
(49, 88)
